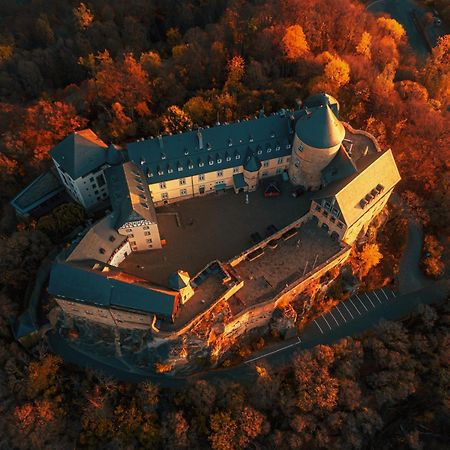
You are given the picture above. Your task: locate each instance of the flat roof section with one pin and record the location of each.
(215, 226)
(268, 275)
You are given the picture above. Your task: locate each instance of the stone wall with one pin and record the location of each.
(259, 315)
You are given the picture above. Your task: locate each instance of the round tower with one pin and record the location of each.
(318, 137)
(251, 171)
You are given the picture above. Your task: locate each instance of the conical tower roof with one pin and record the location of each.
(319, 127)
(252, 164)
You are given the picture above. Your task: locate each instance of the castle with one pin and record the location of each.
(350, 179)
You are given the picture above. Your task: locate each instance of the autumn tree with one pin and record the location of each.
(368, 257)
(83, 16)
(364, 45)
(44, 124)
(200, 110)
(223, 431)
(392, 27)
(236, 69)
(294, 43)
(175, 120)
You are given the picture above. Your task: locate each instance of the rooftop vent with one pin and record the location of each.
(102, 250)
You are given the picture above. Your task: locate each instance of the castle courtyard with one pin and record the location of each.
(215, 226)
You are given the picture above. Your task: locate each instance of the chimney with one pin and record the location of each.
(200, 139)
(160, 139)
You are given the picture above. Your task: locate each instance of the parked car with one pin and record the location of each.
(271, 229)
(255, 238)
(299, 191)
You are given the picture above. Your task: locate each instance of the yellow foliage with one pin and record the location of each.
(392, 27)
(337, 71)
(162, 367)
(6, 52)
(369, 257)
(363, 48)
(175, 119)
(262, 372)
(294, 42)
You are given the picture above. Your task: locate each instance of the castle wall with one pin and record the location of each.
(120, 254)
(259, 315)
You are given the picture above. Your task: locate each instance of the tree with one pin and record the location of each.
(392, 27)
(236, 69)
(83, 16)
(294, 43)
(22, 253)
(364, 46)
(223, 431)
(369, 257)
(201, 111)
(337, 72)
(43, 125)
(175, 120)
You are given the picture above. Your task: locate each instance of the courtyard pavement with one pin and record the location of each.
(214, 226)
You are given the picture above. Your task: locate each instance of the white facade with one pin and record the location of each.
(88, 190)
(142, 235)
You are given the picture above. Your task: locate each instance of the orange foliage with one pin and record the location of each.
(43, 124)
(294, 42)
(37, 414)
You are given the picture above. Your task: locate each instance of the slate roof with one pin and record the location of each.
(95, 283)
(322, 99)
(80, 153)
(209, 149)
(340, 167)
(376, 169)
(37, 192)
(114, 155)
(252, 163)
(129, 194)
(319, 127)
(99, 243)
(178, 280)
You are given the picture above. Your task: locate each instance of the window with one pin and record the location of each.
(147, 233)
(340, 225)
(201, 177)
(169, 170)
(259, 151)
(327, 206)
(101, 180)
(219, 161)
(300, 147)
(131, 235)
(164, 195)
(318, 208)
(279, 171)
(228, 158)
(297, 163)
(91, 179)
(235, 169)
(230, 142)
(182, 181)
(201, 164)
(133, 242)
(129, 230)
(149, 241)
(180, 168)
(190, 166)
(220, 173)
(288, 146)
(332, 219)
(264, 174)
(160, 172)
(211, 162)
(266, 164)
(238, 156)
(325, 214)
(146, 227)
(162, 185)
(163, 156)
(280, 161)
(183, 191)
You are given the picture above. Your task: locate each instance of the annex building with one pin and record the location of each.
(311, 149)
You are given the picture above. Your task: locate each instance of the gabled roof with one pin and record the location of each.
(80, 153)
(178, 280)
(374, 170)
(227, 143)
(319, 127)
(99, 243)
(95, 283)
(341, 166)
(129, 194)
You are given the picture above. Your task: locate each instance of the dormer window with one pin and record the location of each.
(288, 146)
(219, 161)
(180, 168)
(201, 164)
(170, 170)
(268, 149)
(208, 146)
(190, 165)
(163, 156)
(230, 142)
(228, 158)
(160, 171)
(277, 147)
(238, 156)
(210, 162)
(250, 139)
(186, 152)
(259, 151)
(272, 134)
